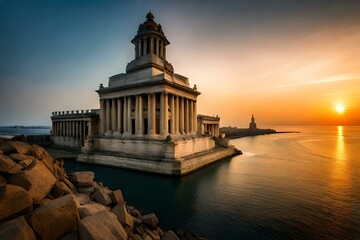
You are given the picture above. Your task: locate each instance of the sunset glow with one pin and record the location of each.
(340, 109)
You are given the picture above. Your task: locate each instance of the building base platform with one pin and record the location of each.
(172, 162)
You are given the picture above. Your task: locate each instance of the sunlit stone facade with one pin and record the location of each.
(148, 116)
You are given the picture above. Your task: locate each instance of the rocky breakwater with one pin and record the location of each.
(39, 200)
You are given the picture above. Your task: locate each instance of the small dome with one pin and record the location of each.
(150, 15)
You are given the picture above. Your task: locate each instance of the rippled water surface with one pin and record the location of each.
(284, 186)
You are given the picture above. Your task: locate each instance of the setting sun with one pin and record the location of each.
(340, 109)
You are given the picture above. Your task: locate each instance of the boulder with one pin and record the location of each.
(101, 225)
(90, 209)
(80, 199)
(151, 220)
(84, 179)
(153, 234)
(38, 152)
(14, 200)
(70, 184)
(38, 181)
(71, 236)
(8, 165)
(56, 218)
(16, 229)
(59, 189)
(170, 235)
(123, 216)
(89, 189)
(21, 147)
(102, 196)
(7, 147)
(116, 196)
(136, 237)
(21, 159)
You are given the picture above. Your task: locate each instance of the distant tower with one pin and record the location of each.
(252, 125)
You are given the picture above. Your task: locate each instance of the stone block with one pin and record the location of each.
(16, 229)
(55, 219)
(101, 225)
(71, 236)
(84, 179)
(38, 181)
(38, 152)
(153, 234)
(59, 189)
(123, 216)
(81, 199)
(7, 148)
(89, 189)
(8, 165)
(136, 237)
(70, 185)
(21, 147)
(102, 196)
(14, 200)
(170, 235)
(91, 208)
(23, 160)
(117, 197)
(151, 220)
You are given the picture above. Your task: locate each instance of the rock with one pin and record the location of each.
(160, 231)
(7, 147)
(135, 213)
(136, 237)
(23, 160)
(55, 219)
(97, 185)
(20, 138)
(45, 201)
(70, 185)
(151, 220)
(59, 189)
(14, 200)
(84, 179)
(9, 166)
(102, 196)
(38, 181)
(80, 199)
(21, 147)
(2, 181)
(123, 216)
(116, 196)
(101, 225)
(38, 152)
(153, 234)
(16, 229)
(71, 236)
(89, 189)
(170, 235)
(90, 209)
(147, 237)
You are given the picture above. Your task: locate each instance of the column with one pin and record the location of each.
(89, 126)
(186, 110)
(137, 115)
(125, 115)
(195, 117)
(166, 114)
(141, 115)
(191, 118)
(84, 129)
(177, 115)
(181, 116)
(108, 118)
(113, 115)
(172, 109)
(151, 44)
(151, 114)
(129, 128)
(80, 130)
(157, 46)
(102, 116)
(119, 119)
(145, 45)
(162, 130)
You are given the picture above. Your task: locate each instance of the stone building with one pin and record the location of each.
(148, 116)
(252, 124)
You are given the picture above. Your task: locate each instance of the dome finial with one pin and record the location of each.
(150, 15)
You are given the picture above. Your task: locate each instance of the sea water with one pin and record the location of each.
(285, 186)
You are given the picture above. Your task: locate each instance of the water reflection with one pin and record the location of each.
(340, 148)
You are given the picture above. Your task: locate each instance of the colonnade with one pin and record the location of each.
(212, 129)
(72, 128)
(152, 114)
(150, 44)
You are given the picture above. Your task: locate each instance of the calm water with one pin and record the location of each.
(11, 132)
(285, 186)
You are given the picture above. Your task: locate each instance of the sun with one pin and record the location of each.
(340, 109)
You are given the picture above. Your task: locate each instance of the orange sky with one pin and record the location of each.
(287, 62)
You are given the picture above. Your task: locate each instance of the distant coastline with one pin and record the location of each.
(26, 127)
(234, 132)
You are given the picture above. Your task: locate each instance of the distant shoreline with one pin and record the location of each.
(26, 127)
(233, 133)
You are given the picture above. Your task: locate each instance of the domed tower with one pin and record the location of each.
(252, 125)
(150, 47)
